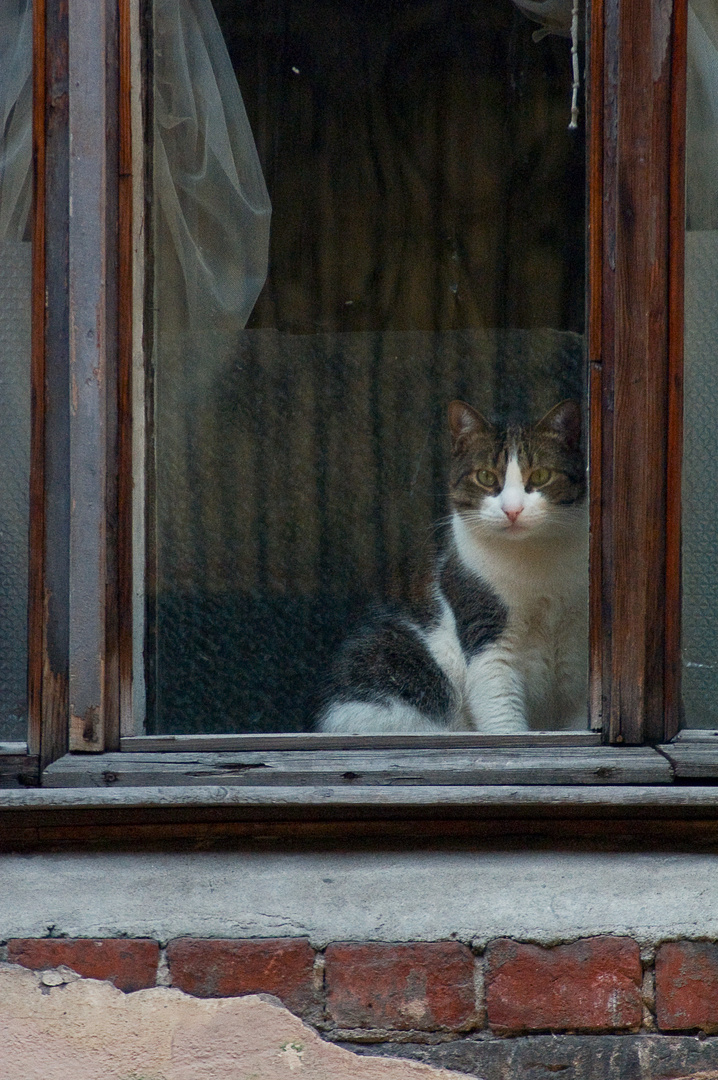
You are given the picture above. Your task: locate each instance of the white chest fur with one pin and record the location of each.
(535, 675)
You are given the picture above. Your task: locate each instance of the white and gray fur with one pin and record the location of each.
(501, 644)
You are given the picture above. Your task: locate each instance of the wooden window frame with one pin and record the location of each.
(80, 621)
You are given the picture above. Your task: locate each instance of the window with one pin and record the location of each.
(426, 244)
(86, 601)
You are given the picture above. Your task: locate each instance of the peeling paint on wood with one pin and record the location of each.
(660, 36)
(86, 731)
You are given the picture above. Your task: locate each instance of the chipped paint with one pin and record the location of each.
(86, 730)
(660, 36)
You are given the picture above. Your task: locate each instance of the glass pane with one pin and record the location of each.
(15, 291)
(426, 244)
(700, 488)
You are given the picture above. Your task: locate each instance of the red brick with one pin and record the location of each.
(590, 985)
(129, 963)
(378, 985)
(221, 968)
(687, 986)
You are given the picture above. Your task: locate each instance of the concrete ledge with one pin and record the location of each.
(471, 895)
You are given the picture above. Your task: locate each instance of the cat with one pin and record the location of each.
(501, 644)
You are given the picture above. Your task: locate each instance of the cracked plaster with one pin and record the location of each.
(55, 1026)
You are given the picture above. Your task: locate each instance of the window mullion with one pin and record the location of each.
(92, 639)
(634, 366)
(49, 484)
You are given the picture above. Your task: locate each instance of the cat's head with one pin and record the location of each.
(517, 481)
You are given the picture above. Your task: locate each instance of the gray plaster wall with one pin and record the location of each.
(393, 896)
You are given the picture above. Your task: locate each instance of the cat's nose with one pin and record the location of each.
(513, 514)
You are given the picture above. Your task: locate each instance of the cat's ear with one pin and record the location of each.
(464, 423)
(563, 420)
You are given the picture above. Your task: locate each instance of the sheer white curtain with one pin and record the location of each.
(566, 18)
(702, 132)
(211, 241)
(211, 199)
(554, 16)
(16, 118)
(208, 180)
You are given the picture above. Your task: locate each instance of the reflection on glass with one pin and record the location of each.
(426, 245)
(15, 291)
(700, 479)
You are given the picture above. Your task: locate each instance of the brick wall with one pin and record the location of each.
(377, 992)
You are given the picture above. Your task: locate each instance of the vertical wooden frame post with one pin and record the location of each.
(73, 593)
(49, 470)
(93, 424)
(632, 353)
(36, 538)
(125, 331)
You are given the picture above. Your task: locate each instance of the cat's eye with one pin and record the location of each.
(486, 478)
(539, 477)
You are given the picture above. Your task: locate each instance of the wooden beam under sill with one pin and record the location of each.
(208, 817)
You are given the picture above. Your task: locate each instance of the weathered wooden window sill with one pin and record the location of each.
(351, 762)
(399, 761)
(345, 769)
